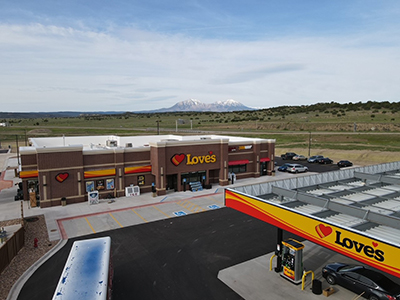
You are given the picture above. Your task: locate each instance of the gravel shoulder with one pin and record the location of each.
(35, 227)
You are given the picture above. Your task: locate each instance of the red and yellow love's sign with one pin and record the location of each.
(177, 159)
(60, 177)
(361, 247)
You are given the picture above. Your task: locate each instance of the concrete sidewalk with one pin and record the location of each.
(253, 279)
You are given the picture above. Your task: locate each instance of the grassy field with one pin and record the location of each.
(333, 132)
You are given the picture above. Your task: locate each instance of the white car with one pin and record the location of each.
(299, 157)
(296, 168)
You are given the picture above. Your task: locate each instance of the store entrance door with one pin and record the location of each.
(263, 168)
(172, 182)
(199, 176)
(33, 189)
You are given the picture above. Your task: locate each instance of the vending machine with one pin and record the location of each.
(292, 260)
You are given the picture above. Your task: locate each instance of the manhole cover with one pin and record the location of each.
(33, 219)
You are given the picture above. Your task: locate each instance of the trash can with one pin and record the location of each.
(63, 201)
(317, 287)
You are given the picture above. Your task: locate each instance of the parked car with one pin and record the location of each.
(344, 163)
(288, 155)
(315, 158)
(299, 157)
(283, 168)
(296, 168)
(372, 284)
(325, 160)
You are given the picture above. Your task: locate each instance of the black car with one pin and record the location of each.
(288, 155)
(371, 284)
(325, 160)
(344, 163)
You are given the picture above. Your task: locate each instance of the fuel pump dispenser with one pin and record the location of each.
(292, 260)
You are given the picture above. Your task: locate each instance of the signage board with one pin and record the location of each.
(93, 197)
(344, 240)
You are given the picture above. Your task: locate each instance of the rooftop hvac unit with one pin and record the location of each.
(111, 143)
(128, 145)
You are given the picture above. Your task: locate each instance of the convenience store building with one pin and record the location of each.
(70, 167)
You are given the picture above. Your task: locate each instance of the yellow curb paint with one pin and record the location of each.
(139, 215)
(162, 212)
(116, 220)
(90, 225)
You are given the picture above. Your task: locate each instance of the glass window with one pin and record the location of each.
(100, 184)
(352, 275)
(141, 180)
(367, 281)
(237, 169)
(89, 186)
(110, 184)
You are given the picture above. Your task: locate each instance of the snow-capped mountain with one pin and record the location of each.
(196, 105)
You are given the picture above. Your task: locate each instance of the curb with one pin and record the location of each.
(16, 288)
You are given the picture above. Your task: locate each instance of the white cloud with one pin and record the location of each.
(53, 68)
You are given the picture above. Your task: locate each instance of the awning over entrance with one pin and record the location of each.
(264, 159)
(238, 162)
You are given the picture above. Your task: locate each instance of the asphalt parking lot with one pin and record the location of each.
(312, 167)
(175, 258)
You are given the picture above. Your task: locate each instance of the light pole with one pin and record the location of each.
(16, 138)
(309, 144)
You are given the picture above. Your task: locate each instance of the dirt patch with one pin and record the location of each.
(40, 131)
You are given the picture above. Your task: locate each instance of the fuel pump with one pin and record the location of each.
(292, 260)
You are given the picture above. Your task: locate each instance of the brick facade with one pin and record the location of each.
(58, 171)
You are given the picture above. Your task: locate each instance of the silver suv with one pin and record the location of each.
(315, 158)
(296, 168)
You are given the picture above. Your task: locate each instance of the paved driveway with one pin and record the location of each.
(174, 258)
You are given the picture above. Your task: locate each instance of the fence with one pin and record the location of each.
(11, 247)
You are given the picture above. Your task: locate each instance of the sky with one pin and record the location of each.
(131, 55)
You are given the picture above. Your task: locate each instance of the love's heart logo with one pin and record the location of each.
(61, 177)
(322, 230)
(210, 152)
(375, 244)
(177, 159)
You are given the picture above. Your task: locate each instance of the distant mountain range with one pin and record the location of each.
(190, 105)
(196, 105)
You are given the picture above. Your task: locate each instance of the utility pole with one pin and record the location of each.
(158, 127)
(16, 137)
(309, 144)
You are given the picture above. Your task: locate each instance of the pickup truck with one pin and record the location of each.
(288, 155)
